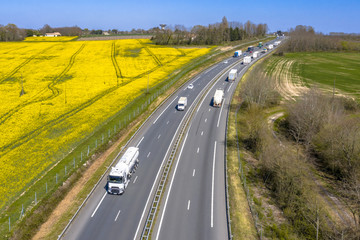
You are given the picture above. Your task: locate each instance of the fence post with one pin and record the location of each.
(88, 150)
(102, 140)
(22, 211)
(114, 129)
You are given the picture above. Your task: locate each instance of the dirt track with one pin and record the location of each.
(287, 83)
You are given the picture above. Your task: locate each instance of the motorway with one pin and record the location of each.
(194, 207)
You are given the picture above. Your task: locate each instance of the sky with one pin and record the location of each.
(324, 16)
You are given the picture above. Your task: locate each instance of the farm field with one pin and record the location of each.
(54, 94)
(299, 70)
(49, 39)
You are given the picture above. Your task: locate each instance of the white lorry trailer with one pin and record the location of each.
(218, 97)
(120, 175)
(255, 54)
(277, 43)
(232, 75)
(271, 46)
(182, 103)
(247, 60)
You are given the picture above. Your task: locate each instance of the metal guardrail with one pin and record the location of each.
(132, 137)
(167, 168)
(253, 211)
(112, 163)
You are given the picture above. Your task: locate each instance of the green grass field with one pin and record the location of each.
(324, 68)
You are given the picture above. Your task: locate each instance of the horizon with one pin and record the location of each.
(323, 16)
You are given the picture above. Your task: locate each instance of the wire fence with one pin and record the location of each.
(70, 162)
(254, 212)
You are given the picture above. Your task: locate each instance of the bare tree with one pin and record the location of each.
(259, 89)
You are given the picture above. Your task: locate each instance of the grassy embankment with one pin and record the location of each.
(277, 212)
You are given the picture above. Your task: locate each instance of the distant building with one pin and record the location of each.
(106, 33)
(54, 34)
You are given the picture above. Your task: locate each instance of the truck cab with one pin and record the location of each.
(117, 180)
(119, 176)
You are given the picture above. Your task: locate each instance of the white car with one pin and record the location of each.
(191, 86)
(225, 61)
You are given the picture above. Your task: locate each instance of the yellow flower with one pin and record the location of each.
(70, 87)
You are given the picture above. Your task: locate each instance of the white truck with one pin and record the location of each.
(232, 75)
(218, 97)
(182, 103)
(247, 60)
(255, 54)
(120, 175)
(277, 43)
(271, 46)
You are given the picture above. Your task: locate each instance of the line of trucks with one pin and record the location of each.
(217, 99)
(120, 175)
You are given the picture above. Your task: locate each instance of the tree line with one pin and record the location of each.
(212, 34)
(11, 32)
(305, 39)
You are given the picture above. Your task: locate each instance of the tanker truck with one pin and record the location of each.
(120, 175)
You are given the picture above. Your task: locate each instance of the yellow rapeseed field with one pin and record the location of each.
(70, 87)
(49, 39)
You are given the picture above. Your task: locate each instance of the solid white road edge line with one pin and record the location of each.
(194, 172)
(212, 189)
(98, 204)
(165, 110)
(148, 155)
(230, 86)
(188, 205)
(140, 142)
(220, 112)
(171, 184)
(117, 216)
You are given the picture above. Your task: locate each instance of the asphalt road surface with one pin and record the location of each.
(195, 206)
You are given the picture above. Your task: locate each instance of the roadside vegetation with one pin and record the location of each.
(299, 136)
